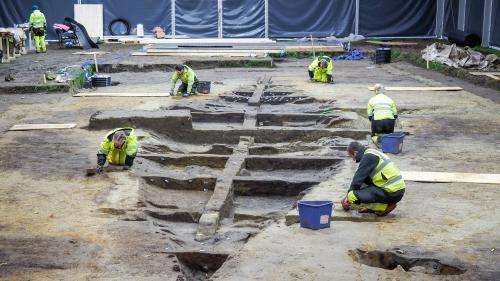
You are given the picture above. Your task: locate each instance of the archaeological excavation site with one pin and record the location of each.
(241, 140)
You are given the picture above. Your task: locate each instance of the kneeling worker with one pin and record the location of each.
(188, 78)
(384, 185)
(119, 147)
(321, 69)
(382, 113)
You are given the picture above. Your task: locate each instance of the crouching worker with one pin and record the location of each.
(188, 78)
(382, 113)
(321, 69)
(119, 147)
(377, 184)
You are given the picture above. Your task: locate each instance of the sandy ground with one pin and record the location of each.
(56, 224)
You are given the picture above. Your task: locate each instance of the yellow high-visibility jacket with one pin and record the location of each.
(117, 156)
(188, 76)
(381, 107)
(321, 74)
(37, 20)
(386, 175)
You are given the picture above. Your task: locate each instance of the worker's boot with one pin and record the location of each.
(389, 209)
(345, 204)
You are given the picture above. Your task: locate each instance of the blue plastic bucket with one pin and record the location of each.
(315, 214)
(392, 143)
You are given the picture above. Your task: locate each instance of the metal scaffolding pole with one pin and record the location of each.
(219, 12)
(356, 19)
(440, 18)
(488, 9)
(266, 18)
(172, 17)
(462, 9)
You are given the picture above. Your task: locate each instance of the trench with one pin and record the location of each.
(215, 173)
(391, 259)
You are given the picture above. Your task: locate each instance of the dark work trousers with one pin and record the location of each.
(183, 87)
(385, 126)
(373, 194)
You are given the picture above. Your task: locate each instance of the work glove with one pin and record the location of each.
(370, 118)
(395, 117)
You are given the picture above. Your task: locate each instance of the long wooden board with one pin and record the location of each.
(392, 43)
(26, 127)
(122, 95)
(420, 88)
(216, 51)
(492, 75)
(200, 54)
(450, 177)
(335, 48)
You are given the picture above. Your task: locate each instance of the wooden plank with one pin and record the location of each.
(420, 88)
(450, 177)
(492, 75)
(200, 54)
(391, 43)
(90, 53)
(215, 51)
(335, 48)
(122, 95)
(26, 127)
(484, 73)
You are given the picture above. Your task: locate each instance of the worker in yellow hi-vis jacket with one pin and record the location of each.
(382, 112)
(119, 147)
(377, 184)
(321, 69)
(38, 26)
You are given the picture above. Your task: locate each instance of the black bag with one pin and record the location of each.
(39, 31)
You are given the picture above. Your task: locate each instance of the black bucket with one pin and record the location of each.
(383, 55)
(101, 80)
(203, 87)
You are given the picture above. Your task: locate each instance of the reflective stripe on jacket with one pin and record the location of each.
(386, 175)
(381, 107)
(187, 76)
(37, 19)
(117, 156)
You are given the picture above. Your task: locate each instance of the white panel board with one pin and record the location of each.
(91, 16)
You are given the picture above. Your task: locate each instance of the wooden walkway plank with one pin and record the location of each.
(450, 177)
(26, 127)
(420, 88)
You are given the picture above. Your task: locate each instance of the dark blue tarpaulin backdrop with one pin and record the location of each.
(18, 11)
(150, 13)
(397, 17)
(243, 18)
(319, 18)
(246, 18)
(196, 18)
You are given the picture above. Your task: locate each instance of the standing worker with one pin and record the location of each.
(188, 78)
(321, 69)
(119, 147)
(377, 184)
(38, 25)
(382, 112)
